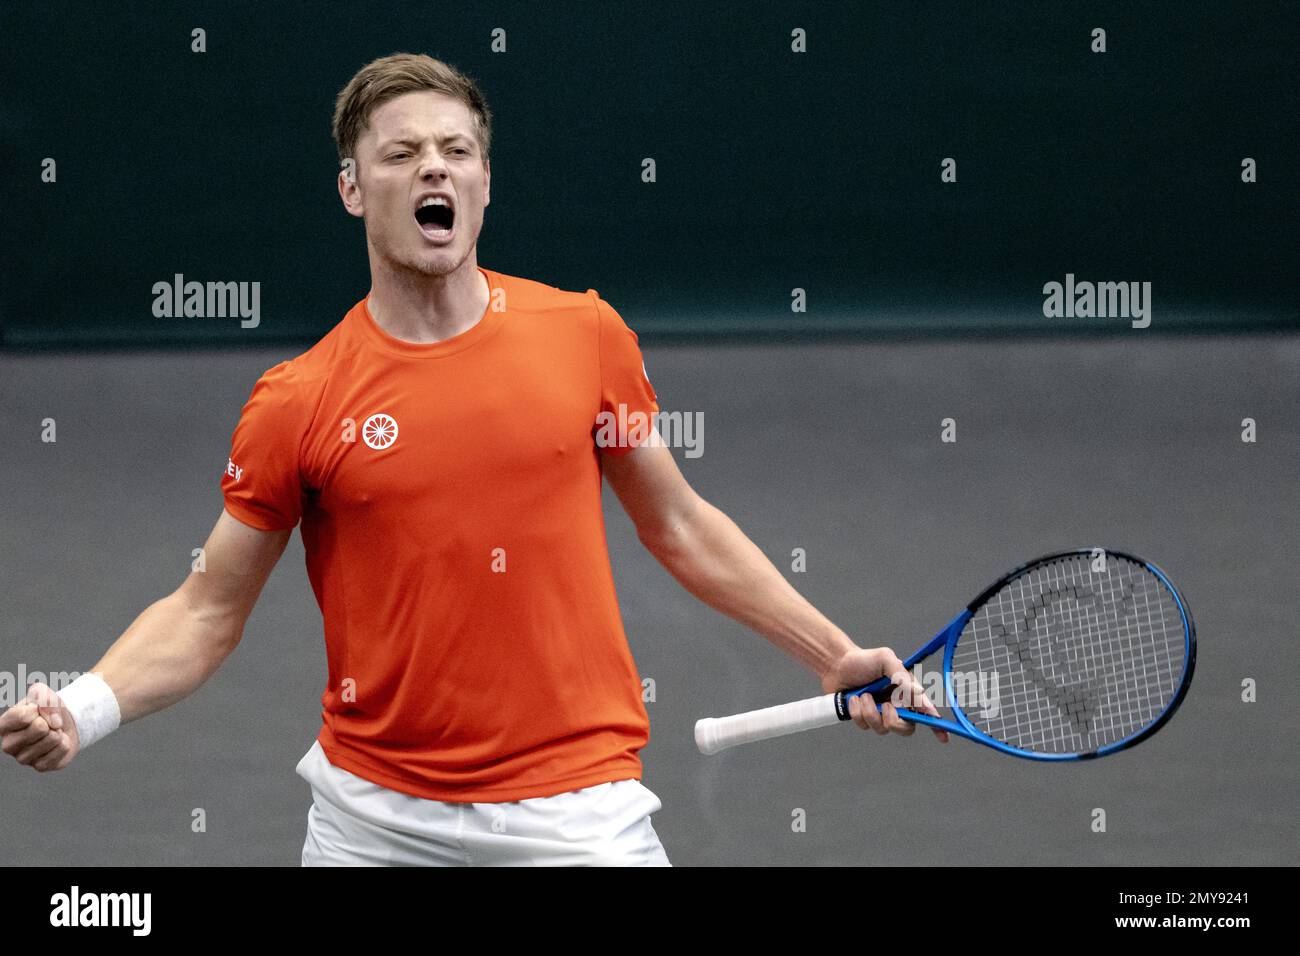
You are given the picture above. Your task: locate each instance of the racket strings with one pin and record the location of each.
(1070, 658)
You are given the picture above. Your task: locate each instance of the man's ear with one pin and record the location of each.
(349, 190)
(487, 182)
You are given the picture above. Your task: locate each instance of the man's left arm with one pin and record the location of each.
(713, 559)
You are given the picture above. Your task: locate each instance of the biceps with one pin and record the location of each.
(652, 490)
(236, 562)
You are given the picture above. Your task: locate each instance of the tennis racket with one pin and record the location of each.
(1076, 655)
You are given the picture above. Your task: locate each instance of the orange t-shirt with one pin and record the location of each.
(450, 500)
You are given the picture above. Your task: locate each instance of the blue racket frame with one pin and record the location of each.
(948, 637)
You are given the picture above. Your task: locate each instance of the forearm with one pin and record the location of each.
(713, 559)
(165, 655)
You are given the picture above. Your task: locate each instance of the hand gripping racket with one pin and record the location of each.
(1075, 655)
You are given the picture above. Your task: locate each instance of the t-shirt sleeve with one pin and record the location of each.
(628, 403)
(261, 483)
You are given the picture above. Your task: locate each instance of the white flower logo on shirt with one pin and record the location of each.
(379, 431)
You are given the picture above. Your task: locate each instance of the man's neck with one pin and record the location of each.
(427, 309)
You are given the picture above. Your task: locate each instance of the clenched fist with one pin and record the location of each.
(39, 732)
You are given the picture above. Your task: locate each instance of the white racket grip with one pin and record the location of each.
(713, 734)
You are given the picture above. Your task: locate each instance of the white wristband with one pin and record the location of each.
(93, 706)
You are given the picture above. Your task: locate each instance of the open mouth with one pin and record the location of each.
(436, 218)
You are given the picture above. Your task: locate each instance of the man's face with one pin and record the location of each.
(418, 146)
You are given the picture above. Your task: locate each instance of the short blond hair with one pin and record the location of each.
(389, 77)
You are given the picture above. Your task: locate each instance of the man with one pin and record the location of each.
(443, 448)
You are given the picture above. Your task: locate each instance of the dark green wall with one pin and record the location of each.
(775, 170)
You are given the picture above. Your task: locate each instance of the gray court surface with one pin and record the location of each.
(1132, 443)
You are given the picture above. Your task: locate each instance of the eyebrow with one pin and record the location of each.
(409, 139)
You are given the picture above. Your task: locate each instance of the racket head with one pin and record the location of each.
(1083, 662)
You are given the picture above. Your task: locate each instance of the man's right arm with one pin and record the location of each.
(167, 653)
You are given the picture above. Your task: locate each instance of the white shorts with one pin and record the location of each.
(354, 822)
